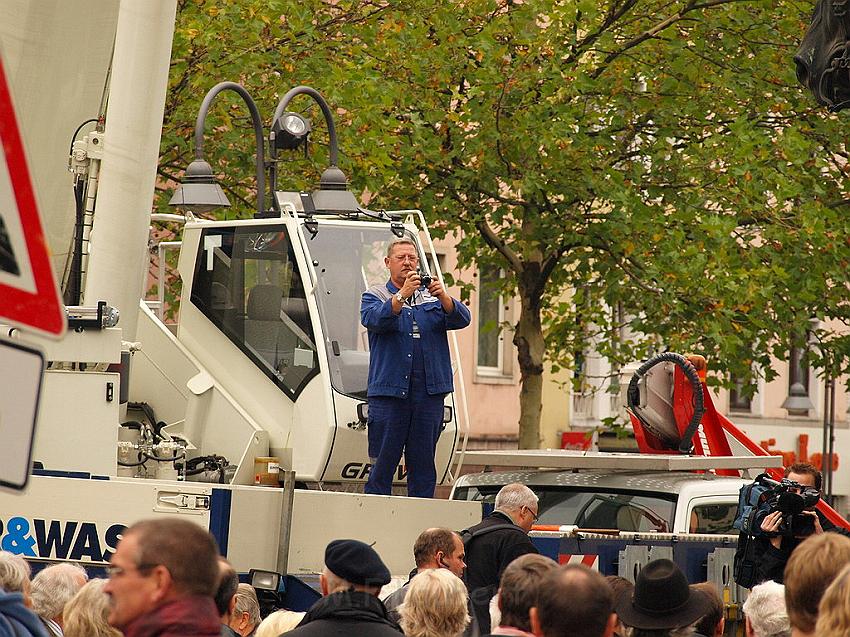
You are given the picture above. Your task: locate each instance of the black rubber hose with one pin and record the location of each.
(633, 393)
(158, 459)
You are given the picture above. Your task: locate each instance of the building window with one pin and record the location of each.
(738, 400)
(491, 315)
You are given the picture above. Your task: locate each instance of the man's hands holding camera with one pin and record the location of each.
(772, 522)
(413, 282)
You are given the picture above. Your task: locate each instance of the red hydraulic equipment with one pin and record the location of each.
(671, 410)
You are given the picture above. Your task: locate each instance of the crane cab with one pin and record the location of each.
(271, 309)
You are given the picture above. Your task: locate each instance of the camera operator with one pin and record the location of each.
(776, 543)
(410, 369)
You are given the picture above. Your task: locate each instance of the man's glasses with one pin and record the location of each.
(533, 514)
(117, 571)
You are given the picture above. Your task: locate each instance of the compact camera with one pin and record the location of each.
(425, 279)
(790, 498)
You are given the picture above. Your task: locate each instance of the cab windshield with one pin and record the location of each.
(348, 259)
(623, 510)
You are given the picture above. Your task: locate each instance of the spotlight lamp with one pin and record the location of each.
(290, 131)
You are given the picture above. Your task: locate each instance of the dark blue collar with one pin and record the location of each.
(392, 287)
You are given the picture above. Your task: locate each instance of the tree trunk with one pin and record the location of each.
(528, 339)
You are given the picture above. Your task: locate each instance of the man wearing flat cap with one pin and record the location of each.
(661, 601)
(351, 581)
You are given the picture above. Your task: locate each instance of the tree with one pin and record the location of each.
(654, 156)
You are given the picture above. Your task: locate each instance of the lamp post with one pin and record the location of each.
(199, 190)
(290, 129)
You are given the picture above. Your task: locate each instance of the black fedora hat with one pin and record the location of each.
(661, 599)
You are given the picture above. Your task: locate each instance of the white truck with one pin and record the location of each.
(266, 372)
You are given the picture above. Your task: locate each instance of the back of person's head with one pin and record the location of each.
(352, 564)
(712, 621)
(54, 586)
(431, 541)
(765, 611)
(519, 589)
(514, 496)
(14, 573)
(574, 600)
(278, 622)
(85, 615)
(247, 607)
(809, 571)
(227, 584)
(618, 586)
(435, 605)
(834, 609)
(188, 551)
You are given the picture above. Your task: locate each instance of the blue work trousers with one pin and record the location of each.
(410, 425)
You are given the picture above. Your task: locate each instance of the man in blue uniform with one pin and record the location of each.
(410, 370)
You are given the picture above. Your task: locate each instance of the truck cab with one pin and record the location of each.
(634, 501)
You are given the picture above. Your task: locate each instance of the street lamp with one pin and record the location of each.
(199, 191)
(333, 194)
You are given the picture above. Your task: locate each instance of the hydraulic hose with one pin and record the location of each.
(633, 394)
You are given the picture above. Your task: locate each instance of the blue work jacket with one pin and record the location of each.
(391, 340)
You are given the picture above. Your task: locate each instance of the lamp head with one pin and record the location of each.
(290, 131)
(798, 401)
(199, 190)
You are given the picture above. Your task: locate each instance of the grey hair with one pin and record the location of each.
(55, 586)
(765, 608)
(280, 621)
(400, 241)
(14, 572)
(335, 582)
(246, 602)
(514, 496)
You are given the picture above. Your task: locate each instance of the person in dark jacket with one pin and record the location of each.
(161, 581)
(495, 542)
(773, 551)
(410, 370)
(351, 581)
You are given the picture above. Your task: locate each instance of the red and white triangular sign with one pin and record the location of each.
(29, 297)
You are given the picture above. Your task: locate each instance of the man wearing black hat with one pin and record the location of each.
(660, 601)
(351, 581)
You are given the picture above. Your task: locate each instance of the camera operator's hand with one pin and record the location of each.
(437, 290)
(770, 524)
(411, 284)
(818, 527)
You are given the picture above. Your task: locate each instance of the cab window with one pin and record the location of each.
(248, 285)
(714, 518)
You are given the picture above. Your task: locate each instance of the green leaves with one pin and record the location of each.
(653, 163)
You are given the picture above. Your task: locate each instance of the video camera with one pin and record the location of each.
(789, 498)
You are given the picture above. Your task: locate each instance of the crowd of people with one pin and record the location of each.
(167, 579)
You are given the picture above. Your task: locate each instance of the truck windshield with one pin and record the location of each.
(348, 258)
(626, 510)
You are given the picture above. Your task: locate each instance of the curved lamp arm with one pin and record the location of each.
(258, 133)
(326, 111)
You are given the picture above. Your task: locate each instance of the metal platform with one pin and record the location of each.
(564, 459)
